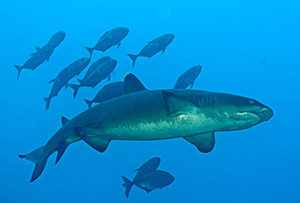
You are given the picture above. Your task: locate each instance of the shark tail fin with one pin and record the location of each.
(39, 159)
(47, 100)
(90, 50)
(88, 102)
(128, 185)
(19, 68)
(75, 88)
(133, 57)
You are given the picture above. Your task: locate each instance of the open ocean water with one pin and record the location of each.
(247, 48)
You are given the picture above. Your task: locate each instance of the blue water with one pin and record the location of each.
(228, 38)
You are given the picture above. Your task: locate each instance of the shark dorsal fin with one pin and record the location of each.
(177, 105)
(132, 84)
(64, 120)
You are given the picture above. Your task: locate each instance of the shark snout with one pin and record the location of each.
(266, 113)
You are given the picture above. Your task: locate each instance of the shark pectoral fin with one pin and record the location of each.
(92, 139)
(132, 84)
(204, 142)
(176, 105)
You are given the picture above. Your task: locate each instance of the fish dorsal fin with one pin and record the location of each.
(177, 105)
(204, 142)
(52, 80)
(64, 120)
(132, 84)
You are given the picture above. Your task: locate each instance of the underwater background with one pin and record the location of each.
(230, 39)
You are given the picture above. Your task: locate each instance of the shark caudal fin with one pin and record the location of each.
(88, 102)
(75, 88)
(47, 100)
(133, 57)
(39, 159)
(19, 68)
(90, 50)
(128, 185)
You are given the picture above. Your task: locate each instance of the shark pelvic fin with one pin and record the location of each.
(89, 136)
(177, 105)
(132, 84)
(204, 142)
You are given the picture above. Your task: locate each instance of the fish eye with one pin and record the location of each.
(251, 101)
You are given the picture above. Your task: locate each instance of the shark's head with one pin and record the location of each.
(237, 112)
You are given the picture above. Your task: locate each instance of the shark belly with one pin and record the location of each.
(144, 120)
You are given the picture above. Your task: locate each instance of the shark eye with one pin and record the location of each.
(251, 101)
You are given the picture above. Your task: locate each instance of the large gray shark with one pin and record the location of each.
(141, 114)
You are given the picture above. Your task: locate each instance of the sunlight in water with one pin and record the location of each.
(164, 11)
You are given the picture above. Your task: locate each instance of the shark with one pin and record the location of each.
(141, 114)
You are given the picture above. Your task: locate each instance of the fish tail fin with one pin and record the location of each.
(133, 57)
(75, 88)
(37, 156)
(128, 185)
(47, 100)
(19, 68)
(90, 50)
(88, 102)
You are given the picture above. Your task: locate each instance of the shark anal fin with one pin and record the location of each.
(61, 148)
(88, 135)
(177, 105)
(204, 142)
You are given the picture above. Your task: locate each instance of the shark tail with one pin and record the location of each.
(88, 102)
(75, 88)
(90, 50)
(37, 156)
(128, 185)
(133, 57)
(19, 68)
(47, 100)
